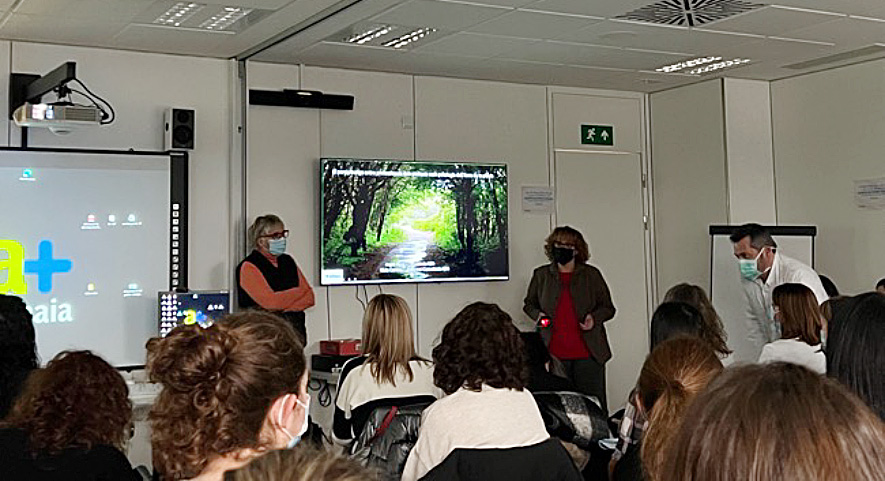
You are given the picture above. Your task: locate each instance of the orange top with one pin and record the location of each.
(294, 299)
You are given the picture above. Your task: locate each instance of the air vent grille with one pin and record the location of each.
(689, 13)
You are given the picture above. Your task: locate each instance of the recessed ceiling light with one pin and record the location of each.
(410, 37)
(370, 34)
(178, 13)
(695, 62)
(719, 66)
(225, 18)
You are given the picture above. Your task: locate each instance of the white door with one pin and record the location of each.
(600, 194)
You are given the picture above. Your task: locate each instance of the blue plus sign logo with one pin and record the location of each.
(45, 266)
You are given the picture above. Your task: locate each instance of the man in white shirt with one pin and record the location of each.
(762, 269)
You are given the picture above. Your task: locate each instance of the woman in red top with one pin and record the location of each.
(575, 299)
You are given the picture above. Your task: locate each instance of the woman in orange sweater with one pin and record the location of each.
(269, 279)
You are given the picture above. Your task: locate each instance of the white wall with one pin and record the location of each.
(748, 145)
(689, 178)
(141, 86)
(828, 132)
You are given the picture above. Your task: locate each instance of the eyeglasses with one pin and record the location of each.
(278, 235)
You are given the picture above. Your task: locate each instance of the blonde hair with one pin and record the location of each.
(303, 464)
(674, 373)
(388, 339)
(262, 225)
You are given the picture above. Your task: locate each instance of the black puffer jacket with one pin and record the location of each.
(387, 452)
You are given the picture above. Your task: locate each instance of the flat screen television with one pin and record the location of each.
(387, 221)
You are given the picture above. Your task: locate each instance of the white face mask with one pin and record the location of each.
(294, 440)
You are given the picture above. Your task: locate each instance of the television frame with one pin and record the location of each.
(433, 280)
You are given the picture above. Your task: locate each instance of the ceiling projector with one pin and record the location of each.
(59, 118)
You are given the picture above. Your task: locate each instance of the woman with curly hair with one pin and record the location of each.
(71, 422)
(230, 392)
(18, 349)
(488, 427)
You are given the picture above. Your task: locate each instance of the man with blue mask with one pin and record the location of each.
(270, 279)
(762, 268)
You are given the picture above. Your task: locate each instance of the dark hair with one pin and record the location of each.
(881, 283)
(536, 353)
(829, 286)
(672, 375)
(18, 349)
(480, 346)
(569, 236)
(77, 401)
(800, 314)
(777, 421)
(218, 385)
(712, 329)
(856, 350)
(672, 319)
(306, 463)
(759, 236)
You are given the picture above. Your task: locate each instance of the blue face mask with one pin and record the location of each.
(276, 246)
(749, 269)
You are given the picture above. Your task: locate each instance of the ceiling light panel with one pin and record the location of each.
(383, 35)
(687, 64)
(713, 67)
(178, 13)
(204, 17)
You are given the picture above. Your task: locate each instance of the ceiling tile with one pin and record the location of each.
(638, 60)
(593, 8)
(502, 3)
(161, 39)
(559, 53)
(56, 29)
(119, 11)
(653, 37)
(843, 32)
(475, 45)
(781, 51)
(443, 15)
(264, 4)
(773, 21)
(871, 8)
(532, 25)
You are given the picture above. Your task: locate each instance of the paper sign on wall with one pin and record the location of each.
(538, 199)
(870, 193)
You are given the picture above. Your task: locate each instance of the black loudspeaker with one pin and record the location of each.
(178, 130)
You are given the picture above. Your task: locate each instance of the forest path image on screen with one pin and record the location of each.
(394, 220)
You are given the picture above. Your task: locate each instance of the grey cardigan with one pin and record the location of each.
(590, 294)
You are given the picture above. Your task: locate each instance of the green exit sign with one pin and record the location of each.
(597, 135)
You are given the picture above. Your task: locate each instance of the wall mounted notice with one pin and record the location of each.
(870, 193)
(538, 199)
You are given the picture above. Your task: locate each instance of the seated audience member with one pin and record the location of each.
(712, 329)
(18, 349)
(880, 286)
(774, 422)
(230, 392)
(301, 464)
(70, 423)
(672, 375)
(829, 286)
(856, 348)
(540, 364)
(488, 427)
(796, 309)
(389, 373)
(670, 319)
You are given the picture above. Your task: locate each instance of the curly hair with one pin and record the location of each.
(77, 401)
(303, 464)
(712, 329)
(218, 385)
(480, 346)
(18, 349)
(568, 236)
